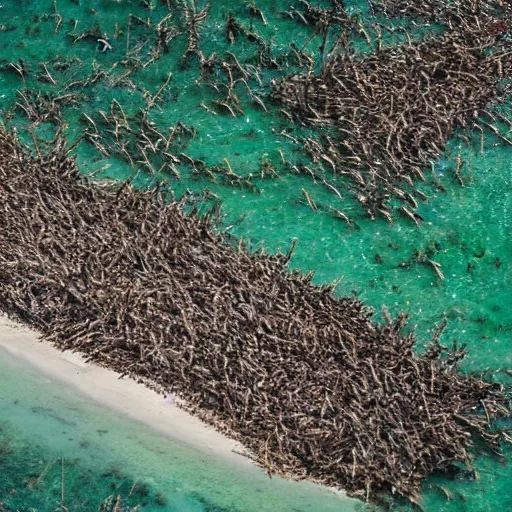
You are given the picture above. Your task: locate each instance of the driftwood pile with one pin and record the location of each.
(306, 381)
(395, 109)
(441, 10)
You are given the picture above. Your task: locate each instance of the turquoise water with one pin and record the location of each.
(43, 423)
(467, 229)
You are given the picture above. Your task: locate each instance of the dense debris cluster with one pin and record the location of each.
(395, 109)
(306, 381)
(442, 10)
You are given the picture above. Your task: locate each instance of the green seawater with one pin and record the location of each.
(467, 230)
(48, 430)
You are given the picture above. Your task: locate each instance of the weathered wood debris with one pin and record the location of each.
(395, 109)
(306, 381)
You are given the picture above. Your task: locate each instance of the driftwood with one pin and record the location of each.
(395, 109)
(306, 381)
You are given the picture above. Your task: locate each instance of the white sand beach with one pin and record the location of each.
(122, 396)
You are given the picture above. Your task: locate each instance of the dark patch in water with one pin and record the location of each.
(49, 413)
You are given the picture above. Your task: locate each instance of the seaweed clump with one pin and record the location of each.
(306, 381)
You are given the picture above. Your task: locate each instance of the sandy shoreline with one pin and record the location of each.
(123, 396)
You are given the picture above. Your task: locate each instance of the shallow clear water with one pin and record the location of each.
(468, 230)
(43, 423)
